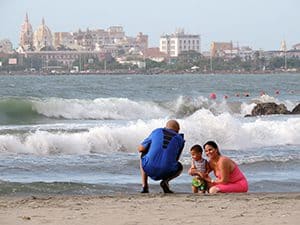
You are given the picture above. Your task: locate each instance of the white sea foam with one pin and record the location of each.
(185, 106)
(101, 108)
(290, 105)
(241, 133)
(232, 133)
(246, 108)
(30, 109)
(266, 98)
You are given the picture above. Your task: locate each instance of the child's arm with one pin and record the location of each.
(201, 174)
(192, 169)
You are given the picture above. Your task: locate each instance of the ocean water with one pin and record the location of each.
(79, 134)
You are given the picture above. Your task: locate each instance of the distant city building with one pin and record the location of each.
(283, 52)
(220, 49)
(296, 46)
(245, 53)
(6, 46)
(116, 33)
(154, 54)
(64, 40)
(228, 51)
(179, 42)
(142, 41)
(293, 53)
(43, 38)
(110, 40)
(65, 58)
(26, 36)
(84, 40)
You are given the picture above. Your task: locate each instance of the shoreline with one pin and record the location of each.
(182, 208)
(105, 73)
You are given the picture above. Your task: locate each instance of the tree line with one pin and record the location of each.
(186, 62)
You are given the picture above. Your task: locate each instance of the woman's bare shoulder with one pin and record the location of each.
(225, 159)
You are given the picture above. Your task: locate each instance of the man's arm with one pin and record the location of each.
(141, 148)
(145, 145)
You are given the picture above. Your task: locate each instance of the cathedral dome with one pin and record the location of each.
(43, 37)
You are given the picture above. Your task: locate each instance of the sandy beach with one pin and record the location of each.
(253, 208)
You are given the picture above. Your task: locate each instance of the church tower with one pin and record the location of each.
(43, 38)
(283, 46)
(26, 35)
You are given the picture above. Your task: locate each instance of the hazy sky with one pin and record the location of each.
(255, 23)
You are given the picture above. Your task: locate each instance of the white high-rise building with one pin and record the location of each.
(179, 42)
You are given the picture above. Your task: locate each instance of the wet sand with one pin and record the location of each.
(225, 209)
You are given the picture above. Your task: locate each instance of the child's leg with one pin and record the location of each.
(194, 189)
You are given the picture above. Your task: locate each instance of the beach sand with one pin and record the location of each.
(252, 208)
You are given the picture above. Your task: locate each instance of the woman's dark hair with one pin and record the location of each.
(197, 148)
(212, 144)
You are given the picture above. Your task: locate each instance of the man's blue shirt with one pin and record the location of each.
(164, 147)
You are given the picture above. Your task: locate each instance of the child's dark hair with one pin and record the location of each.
(197, 148)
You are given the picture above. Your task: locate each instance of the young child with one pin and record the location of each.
(199, 169)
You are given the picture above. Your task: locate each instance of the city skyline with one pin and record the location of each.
(260, 25)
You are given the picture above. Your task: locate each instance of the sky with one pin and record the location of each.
(259, 24)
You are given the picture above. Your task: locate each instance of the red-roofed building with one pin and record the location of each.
(154, 54)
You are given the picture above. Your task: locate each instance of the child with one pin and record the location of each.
(199, 169)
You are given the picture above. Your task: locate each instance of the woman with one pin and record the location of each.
(229, 176)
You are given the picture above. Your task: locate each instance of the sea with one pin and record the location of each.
(78, 134)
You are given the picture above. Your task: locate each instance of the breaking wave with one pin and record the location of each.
(230, 132)
(28, 110)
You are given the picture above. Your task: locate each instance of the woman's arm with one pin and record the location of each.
(208, 168)
(224, 167)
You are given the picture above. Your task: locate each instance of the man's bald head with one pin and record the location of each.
(174, 125)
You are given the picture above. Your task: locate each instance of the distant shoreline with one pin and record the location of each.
(145, 73)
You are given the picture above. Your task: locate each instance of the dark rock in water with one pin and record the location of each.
(296, 110)
(269, 108)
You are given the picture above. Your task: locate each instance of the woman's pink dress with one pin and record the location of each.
(237, 182)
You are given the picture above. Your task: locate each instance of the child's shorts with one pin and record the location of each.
(199, 183)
